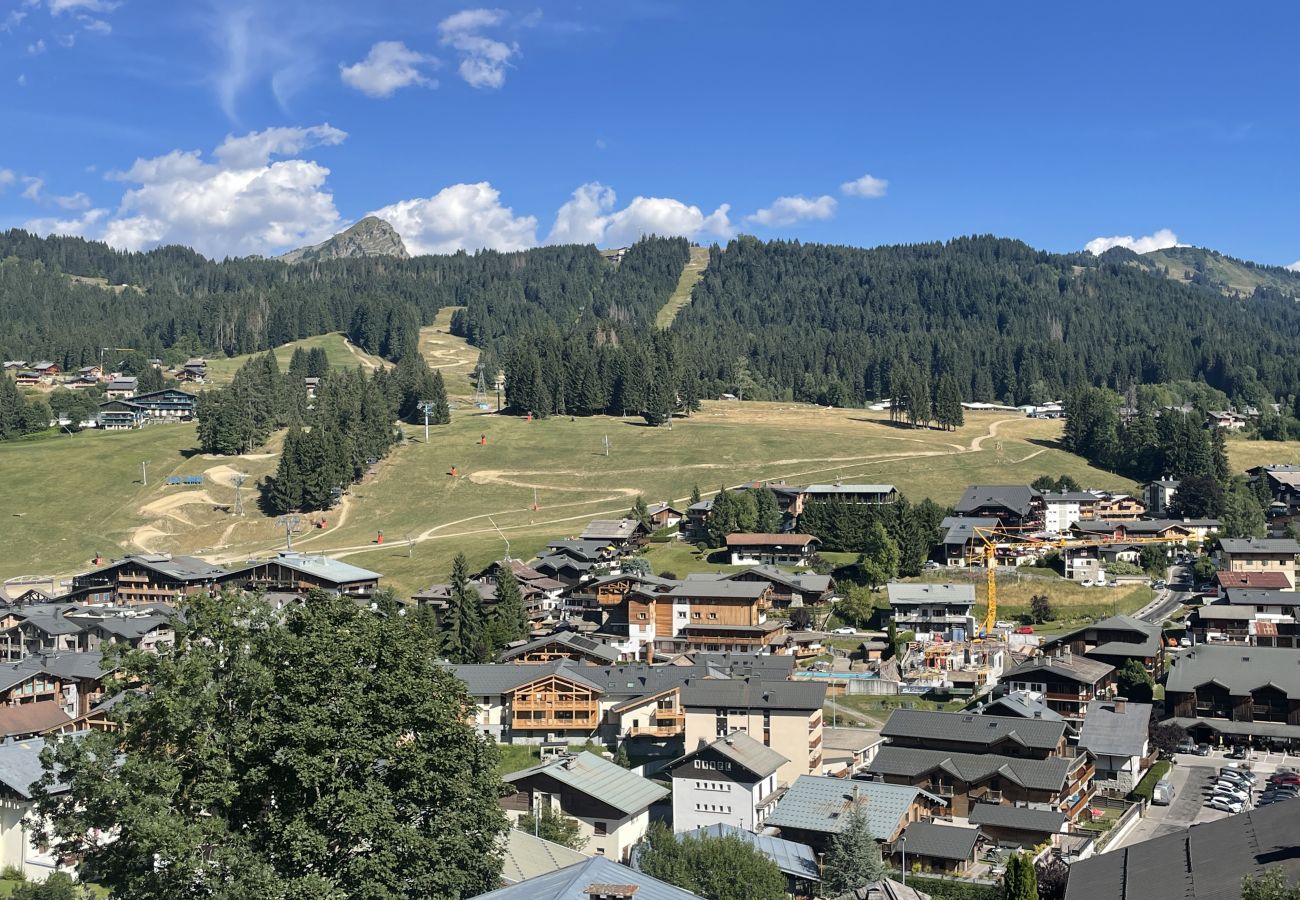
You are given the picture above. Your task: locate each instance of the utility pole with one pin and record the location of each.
(427, 407)
(607, 445)
(144, 472)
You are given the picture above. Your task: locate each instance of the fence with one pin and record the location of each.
(184, 479)
(839, 685)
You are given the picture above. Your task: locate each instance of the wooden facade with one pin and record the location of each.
(554, 703)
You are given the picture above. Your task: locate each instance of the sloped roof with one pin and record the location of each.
(748, 693)
(847, 489)
(1239, 546)
(1075, 665)
(1239, 669)
(573, 883)
(573, 641)
(1042, 774)
(966, 728)
(720, 590)
(941, 841)
(525, 856)
(907, 593)
(31, 718)
(1148, 647)
(1263, 597)
(1016, 497)
(1266, 581)
(819, 803)
(20, 765)
(1111, 733)
(1018, 703)
(491, 678)
(961, 529)
(791, 857)
(758, 539)
(744, 751)
(611, 529)
(610, 783)
(1048, 821)
(1203, 862)
(320, 566)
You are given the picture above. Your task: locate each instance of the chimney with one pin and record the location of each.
(1119, 703)
(604, 891)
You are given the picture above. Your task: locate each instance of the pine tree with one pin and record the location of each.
(509, 617)
(639, 511)
(854, 856)
(1020, 881)
(286, 487)
(768, 511)
(695, 495)
(463, 637)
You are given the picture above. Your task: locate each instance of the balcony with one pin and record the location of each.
(659, 731)
(551, 723)
(670, 715)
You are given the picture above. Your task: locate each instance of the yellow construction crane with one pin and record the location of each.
(995, 538)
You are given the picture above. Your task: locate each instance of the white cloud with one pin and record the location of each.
(389, 66)
(35, 192)
(1295, 266)
(241, 204)
(22, 80)
(37, 48)
(460, 217)
(12, 20)
(867, 186)
(789, 210)
(7, 178)
(1161, 240)
(66, 40)
(589, 218)
(96, 26)
(483, 60)
(100, 6)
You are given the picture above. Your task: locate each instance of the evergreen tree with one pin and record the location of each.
(285, 494)
(639, 512)
(1242, 516)
(1020, 881)
(879, 559)
(462, 631)
(509, 616)
(695, 495)
(854, 856)
(948, 410)
(768, 511)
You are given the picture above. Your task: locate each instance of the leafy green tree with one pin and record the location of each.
(319, 752)
(1053, 874)
(1021, 880)
(767, 511)
(554, 826)
(59, 886)
(720, 868)
(1040, 609)
(1203, 569)
(1135, 682)
(1272, 885)
(880, 556)
(857, 607)
(854, 855)
(1154, 560)
(1198, 497)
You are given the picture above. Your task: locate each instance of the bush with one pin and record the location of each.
(1147, 786)
(942, 889)
(701, 547)
(12, 873)
(1119, 567)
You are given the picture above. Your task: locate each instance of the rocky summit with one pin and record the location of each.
(371, 236)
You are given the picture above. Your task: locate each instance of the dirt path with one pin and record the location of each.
(978, 443)
(365, 358)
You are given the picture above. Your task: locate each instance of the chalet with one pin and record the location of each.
(1017, 827)
(1267, 602)
(784, 715)
(140, 632)
(1174, 529)
(853, 494)
(1283, 483)
(969, 733)
(311, 384)
(27, 378)
(1259, 555)
(89, 373)
(46, 371)
(1119, 508)
(1221, 623)
(816, 809)
(117, 414)
(35, 630)
(621, 533)
(705, 614)
(608, 592)
(929, 610)
(148, 578)
(771, 549)
(13, 366)
(563, 645)
(1239, 694)
(193, 372)
(1116, 640)
(961, 540)
(846, 751)
(20, 768)
(1158, 495)
(1013, 505)
(1255, 581)
(663, 515)
(1227, 419)
(584, 551)
(788, 589)
(72, 681)
(300, 573)
(1067, 681)
(696, 525)
(797, 862)
(1115, 732)
(30, 720)
(168, 404)
(611, 804)
(122, 387)
(941, 849)
(565, 569)
(731, 781)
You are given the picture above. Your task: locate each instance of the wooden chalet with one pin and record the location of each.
(148, 578)
(563, 645)
(119, 414)
(300, 573)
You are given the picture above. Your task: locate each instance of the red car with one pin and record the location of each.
(1025, 629)
(1284, 778)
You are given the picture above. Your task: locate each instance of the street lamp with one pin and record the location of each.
(902, 848)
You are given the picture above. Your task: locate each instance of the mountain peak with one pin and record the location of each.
(371, 236)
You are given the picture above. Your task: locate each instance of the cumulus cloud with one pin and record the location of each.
(36, 48)
(460, 217)
(1295, 266)
(589, 217)
(389, 66)
(241, 203)
(1161, 240)
(483, 60)
(34, 191)
(100, 6)
(96, 26)
(867, 186)
(789, 210)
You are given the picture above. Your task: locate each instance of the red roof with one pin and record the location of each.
(1266, 581)
(770, 540)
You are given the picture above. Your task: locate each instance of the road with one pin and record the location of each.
(1167, 602)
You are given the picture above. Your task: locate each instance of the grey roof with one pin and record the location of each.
(804, 582)
(572, 882)
(525, 856)
(941, 841)
(748, 693)
(854, 739)
(1260, 597)
(1258, 545)
(791, 857)
(577, 642)
(1016, 497)
(1041, 774)
(182, 568)
(590, 551)
(1203, 862)
(611, 529)
(1237, 729)
(606, 781)
(961, 529)
(559, 562)
(1119, 623)
(1239, 669)
(848, 489)
(965, 728)
(61, 665)
(1048, 821)
(745, 751)
(488, 679)
(720, 590)
(129, 627)
(702, 505)
(20, 765)
(322, 567)
(1148, 647)
(1110, 733)
(1225, 612)
(884, 889)
(1074, 665)
(1070, 497)
(905, 593)
(1019, 703)
(819, 803)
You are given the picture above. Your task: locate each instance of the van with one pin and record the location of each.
(1162, 794)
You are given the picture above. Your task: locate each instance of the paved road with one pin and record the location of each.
(1167, 602)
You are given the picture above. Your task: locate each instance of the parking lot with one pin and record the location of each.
(1192, 777)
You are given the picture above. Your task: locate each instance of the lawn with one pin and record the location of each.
(681, 295)
(341, 354)
(513, 757)
(1071, 602)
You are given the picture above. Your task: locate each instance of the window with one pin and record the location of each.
(695, 615)
(600, 828)
(713, 615)
(642, 616)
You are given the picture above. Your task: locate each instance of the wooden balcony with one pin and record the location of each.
(552, 723)
(659, 731)
(670, 715)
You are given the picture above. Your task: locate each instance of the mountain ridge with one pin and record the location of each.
(372, 236)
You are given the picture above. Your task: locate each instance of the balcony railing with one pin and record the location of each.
(654, 730)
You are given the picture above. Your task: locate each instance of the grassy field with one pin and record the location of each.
(341, 353)
(681, 295)
(1071, 602)
(1244, 454)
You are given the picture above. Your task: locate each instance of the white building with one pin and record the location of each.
(1061, 509)
(20, 767)
(729, 782)
(1115, 732)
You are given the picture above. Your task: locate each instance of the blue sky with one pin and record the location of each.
(252, 128)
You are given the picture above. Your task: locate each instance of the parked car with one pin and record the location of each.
(1184, 642)
(1225, 804)
(1025, 629)
(1188, 746)
(1284, 778)
(1227, 788)
(1237, 753)
(1280, 793)
(1159, 585)
(1202, 749)
(932, 565)
(1163, 793)
(1238, 773)
(1087, 582)
(1004, 625)
(844, 630)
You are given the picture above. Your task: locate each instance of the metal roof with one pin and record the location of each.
(791, 857)
(1247, 546)
(1020, 703)
(941, 841)
(966, 728)
(1262, 596)
(961, 529)
(1240, 669)
(1041, 774)
(1016, 497)
(757, 539)
(1073, 665)
(599, 778)
(745, 751)
(847, 489)
(1203, 862)
(819, 803)
(322, 566)
(20, 765)
(747, 693)
(525, 856)
(579, 643)
(855, 739)
(1048, 821)
(719, 590)
(611, 529)
(902, 593)
(572, 883)
(1110, 732)
(1143, 649)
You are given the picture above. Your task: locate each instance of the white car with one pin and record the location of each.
(1004, 625)
(1226, 805)
(844, 631)
(1232, 789)
(1087, 582)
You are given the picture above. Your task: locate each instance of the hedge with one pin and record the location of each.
(1147, 786)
